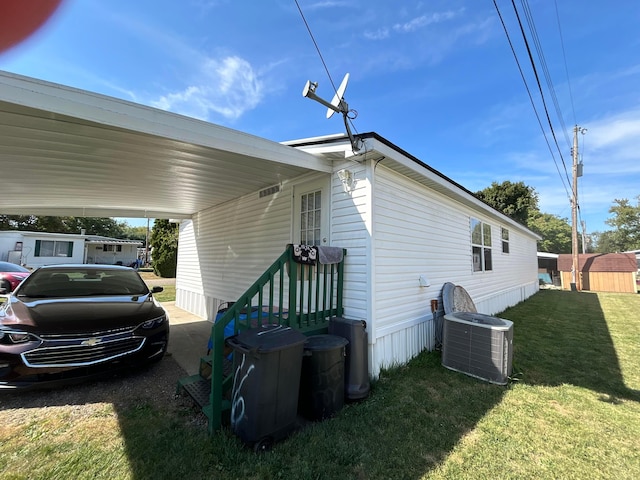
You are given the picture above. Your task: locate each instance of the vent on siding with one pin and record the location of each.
(269, 191)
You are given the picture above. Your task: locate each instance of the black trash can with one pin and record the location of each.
(266, 379)
(322, 379)
(356, 369)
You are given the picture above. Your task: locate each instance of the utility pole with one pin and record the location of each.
(577, 172)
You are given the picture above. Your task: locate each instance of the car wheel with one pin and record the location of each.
(6, 285)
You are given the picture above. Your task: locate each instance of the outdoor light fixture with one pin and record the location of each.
(347, 179)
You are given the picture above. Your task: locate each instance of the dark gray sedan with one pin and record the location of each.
(69, 322)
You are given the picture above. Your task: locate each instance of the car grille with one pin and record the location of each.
(82, 352)
(103, 333)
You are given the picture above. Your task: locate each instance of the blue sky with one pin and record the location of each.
(436, 78)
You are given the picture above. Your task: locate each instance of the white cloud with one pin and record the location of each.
(326, 4)
(413, 25)
(228, 87)
(379, 34)
(424, 20)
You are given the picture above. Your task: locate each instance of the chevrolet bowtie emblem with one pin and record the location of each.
(90, 342)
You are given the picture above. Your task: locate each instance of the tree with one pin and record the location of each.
(607, 242)
(164, 241)
(17, 222)
(104, 226)
(626, 223)
(516, 200)
(135, 233)
(554, 230)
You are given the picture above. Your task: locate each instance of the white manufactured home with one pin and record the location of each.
(406, 228)
(403, 230)
(34, 249)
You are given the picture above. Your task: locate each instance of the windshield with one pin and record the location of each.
(81, 282)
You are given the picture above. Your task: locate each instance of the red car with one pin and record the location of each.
(11, 275)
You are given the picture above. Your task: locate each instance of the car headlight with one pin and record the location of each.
(13, 336)
(154, 322)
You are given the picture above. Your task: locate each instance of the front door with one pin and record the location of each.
(311, 213)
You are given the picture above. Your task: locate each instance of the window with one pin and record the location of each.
(310, 216)
(481, 246)
(112, 248)
(505, 240)
(51, 248)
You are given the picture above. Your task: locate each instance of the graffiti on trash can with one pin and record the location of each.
(237, 401)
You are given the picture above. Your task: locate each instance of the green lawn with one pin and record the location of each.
(168, 294)
(572, 411)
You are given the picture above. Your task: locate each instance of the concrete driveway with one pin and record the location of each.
(189, 333)
(188, 338)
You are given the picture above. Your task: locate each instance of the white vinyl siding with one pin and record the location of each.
(395, 229)
(224, 249)
(417, 233)
(351, 229)
(421, 232)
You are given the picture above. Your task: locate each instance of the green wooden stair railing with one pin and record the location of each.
(306, 300)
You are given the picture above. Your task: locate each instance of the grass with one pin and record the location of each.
(168, 294)
(572, 411)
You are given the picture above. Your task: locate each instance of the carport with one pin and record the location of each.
(69, 152)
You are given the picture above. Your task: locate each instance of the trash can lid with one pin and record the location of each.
(270, 338)
(321, 343)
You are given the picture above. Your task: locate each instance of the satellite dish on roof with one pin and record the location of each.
(338, 104)
(338, 98)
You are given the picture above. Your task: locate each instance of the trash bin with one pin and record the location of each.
(356, 368)
(266, 379)
(322, 378)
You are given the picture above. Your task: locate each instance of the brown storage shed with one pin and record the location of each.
(601, 272)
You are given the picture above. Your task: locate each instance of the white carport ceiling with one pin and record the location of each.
(65, 151)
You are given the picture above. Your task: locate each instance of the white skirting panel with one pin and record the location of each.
(201, 305)
(505, 299)
(195, 303)
(399, 347)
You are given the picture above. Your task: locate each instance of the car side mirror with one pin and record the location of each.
(157, 289)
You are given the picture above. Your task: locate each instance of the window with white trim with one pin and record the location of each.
(505, 239)
(481, 246)
(310, 218)
(51, 248)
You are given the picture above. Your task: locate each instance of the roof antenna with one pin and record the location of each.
(337, 105)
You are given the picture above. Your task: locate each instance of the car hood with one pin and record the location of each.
(86, 314)
(22, 275)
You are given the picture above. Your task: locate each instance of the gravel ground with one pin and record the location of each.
(155, 385)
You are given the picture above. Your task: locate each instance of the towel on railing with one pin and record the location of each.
(305, 254)
(328, 255)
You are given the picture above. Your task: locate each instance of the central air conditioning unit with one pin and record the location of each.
(478, 345)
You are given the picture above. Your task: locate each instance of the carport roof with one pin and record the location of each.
(65, 151)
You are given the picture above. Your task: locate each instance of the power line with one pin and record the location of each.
(537, 77)
(545, 69)
(566, 68)
(316, 45)
(346, 117)
(535, 110)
